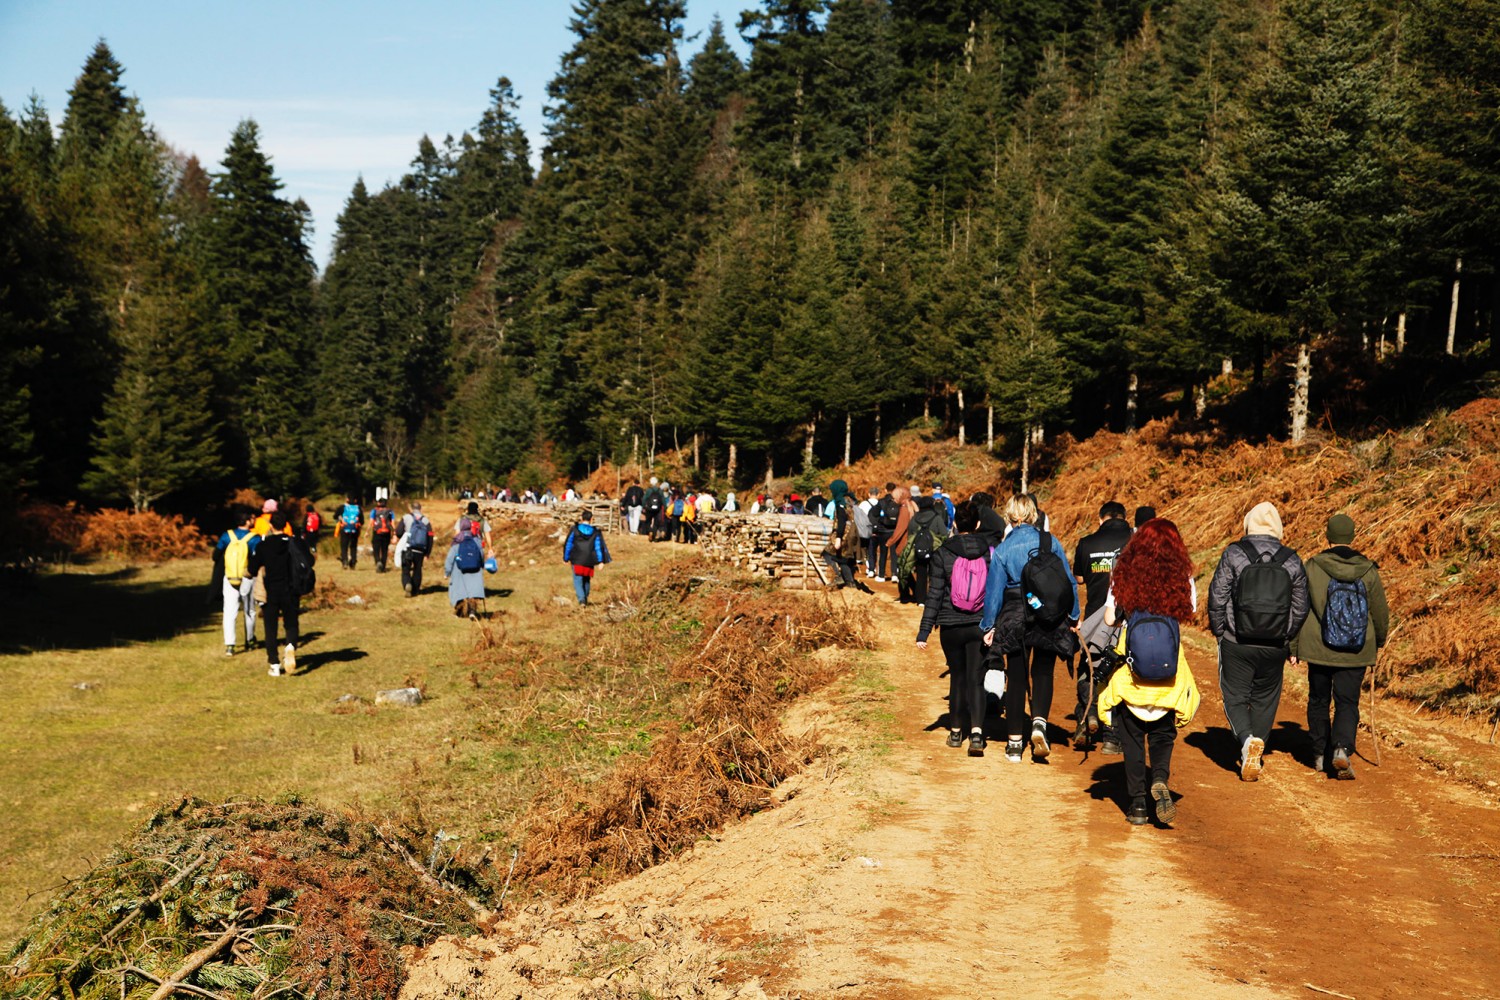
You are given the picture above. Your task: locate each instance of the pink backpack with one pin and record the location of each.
(966, 583)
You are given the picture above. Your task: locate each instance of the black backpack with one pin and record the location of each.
(926, 535)
(303, 577)
(583, 552)
(1263, 597)
(1046, 584)
(887, 515)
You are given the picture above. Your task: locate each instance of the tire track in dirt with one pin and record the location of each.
(901, 868)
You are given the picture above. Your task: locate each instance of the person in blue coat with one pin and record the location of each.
(586, 551)
(464, 568)
(1020, 633)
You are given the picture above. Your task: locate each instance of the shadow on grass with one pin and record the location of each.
(84, 611)
(312, 661)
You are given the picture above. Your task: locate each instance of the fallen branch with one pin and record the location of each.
(515, 852)
(140, 908)
(1332, 993)
(195, 961)
(136, 970)
(423, 873)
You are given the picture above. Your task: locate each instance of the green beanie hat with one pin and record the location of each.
(1341, 529)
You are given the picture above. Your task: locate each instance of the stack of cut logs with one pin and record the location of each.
(606, 512)
(788, 547)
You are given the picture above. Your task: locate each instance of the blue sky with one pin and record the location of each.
(339, 88)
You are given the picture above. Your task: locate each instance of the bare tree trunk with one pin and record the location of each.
(1038, 434)
(1226, 366)
(1025, 457)
(927, 406)
(807, 447)
(877, 428)
(697, 453)
(848, 433)
(676, 444)
(1458, 269)
(770, 469)
(1301, 381)
(989, 428)
(1401, 333)
(635, 453)
(1132, 401)
(1200, 400)
(961, 412)
(734, 462)
(1364, 335)
(652, 453)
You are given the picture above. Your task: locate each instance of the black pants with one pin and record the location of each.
(963, 648)
(1250, 684)
(880, 547)
(1343, 683)
(348, 547)
(1135, 734)
(920, 576)
(1043, 662)
(844, 568)
(287, 608)
(381, 543)
(411, 569)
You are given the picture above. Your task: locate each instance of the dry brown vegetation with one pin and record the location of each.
(52, 532)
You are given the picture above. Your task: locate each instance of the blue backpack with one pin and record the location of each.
(349, 517)
(470, 556)
(1151, 643)
(419, 537)
(1346, 616)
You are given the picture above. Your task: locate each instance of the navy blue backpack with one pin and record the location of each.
(1346, 616)
(1151, 643)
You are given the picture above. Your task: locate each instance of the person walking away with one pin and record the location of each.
(1339, 641)
(633, 500)
(898, 541)
(351, 518)
(470, 519)
(1030, 611)
(1155, 695)
(991, 522)
(843, 550)
(925, 534)
(235, 547)
(584, 548)
(655, 500)
(312, 528)
(944, 505)
(731, 504)
(1256, 603)
(382, 527)
(690, 519)
(464, 568)
(1144, 513)
(955, 606)
(263, 522)
(416, 533)
(275, 559)
(869, 513)
(883, 522)
(1093, 559)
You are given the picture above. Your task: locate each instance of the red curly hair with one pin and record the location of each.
(1154, 571)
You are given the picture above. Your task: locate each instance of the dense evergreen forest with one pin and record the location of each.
(1011, 217)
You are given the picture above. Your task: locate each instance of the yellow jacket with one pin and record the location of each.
(1180, 696)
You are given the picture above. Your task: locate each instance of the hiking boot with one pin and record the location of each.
(1039, 746)
(228, 650)
(1166, 809)
(1110, 747)
(1080, 733)
(1250, 766)
(1015, 750)
(1341, 769)
(289, 658)
(1138, 814)
(955, 738)
(976, 744)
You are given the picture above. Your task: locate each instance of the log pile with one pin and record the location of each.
(606, 512)
(787, 547)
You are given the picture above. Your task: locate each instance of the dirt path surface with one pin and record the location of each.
(897, 867)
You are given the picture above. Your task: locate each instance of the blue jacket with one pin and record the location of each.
(581, 534)
(1006, 563)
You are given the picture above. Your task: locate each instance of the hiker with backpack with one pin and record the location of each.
(284, 566)
(233, 557)
(632, 503)
(1093, 559)
(464, 568)
(415, 531)
(471, 521)
(955, 605)
(312, 529)
(1030, 610)
(991, 524)
(1256, 603)
(351, 519)
(382, 527)
(844, 548)
(1339, 641)
(655, 500)
(924, 534)
(885, 517)
(584, 548)
(1154, 694)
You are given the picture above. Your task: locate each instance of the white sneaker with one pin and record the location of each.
(1039, 746)
(1250, 766)
(289, 658)
(275, 670)
(228, 650)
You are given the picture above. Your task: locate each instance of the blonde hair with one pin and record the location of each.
(1020, 509)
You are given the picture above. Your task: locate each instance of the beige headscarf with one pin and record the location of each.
(1263, 520)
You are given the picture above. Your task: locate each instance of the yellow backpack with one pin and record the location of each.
(237, 557)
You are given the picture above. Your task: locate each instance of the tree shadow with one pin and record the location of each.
(87, 611)
(307, 664)
(1217, 744)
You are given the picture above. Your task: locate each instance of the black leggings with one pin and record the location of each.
(1043, 661)
(963, 648)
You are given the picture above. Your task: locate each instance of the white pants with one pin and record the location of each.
(237, 599)
(633, 515)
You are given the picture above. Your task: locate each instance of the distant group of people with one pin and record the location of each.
(667, 513)
(1004, 598)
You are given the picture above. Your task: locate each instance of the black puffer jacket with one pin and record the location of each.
(939, 610)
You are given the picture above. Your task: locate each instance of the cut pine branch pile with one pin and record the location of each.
(726, 752)
(239, 900)
(1426, 502)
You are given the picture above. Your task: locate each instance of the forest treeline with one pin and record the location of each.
(1010, 216)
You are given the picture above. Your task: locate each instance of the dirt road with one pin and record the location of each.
(897, 867)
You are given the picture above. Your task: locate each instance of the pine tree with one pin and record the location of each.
(715, 72)
(96, 106)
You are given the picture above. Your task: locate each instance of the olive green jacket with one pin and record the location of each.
(1341, 563)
